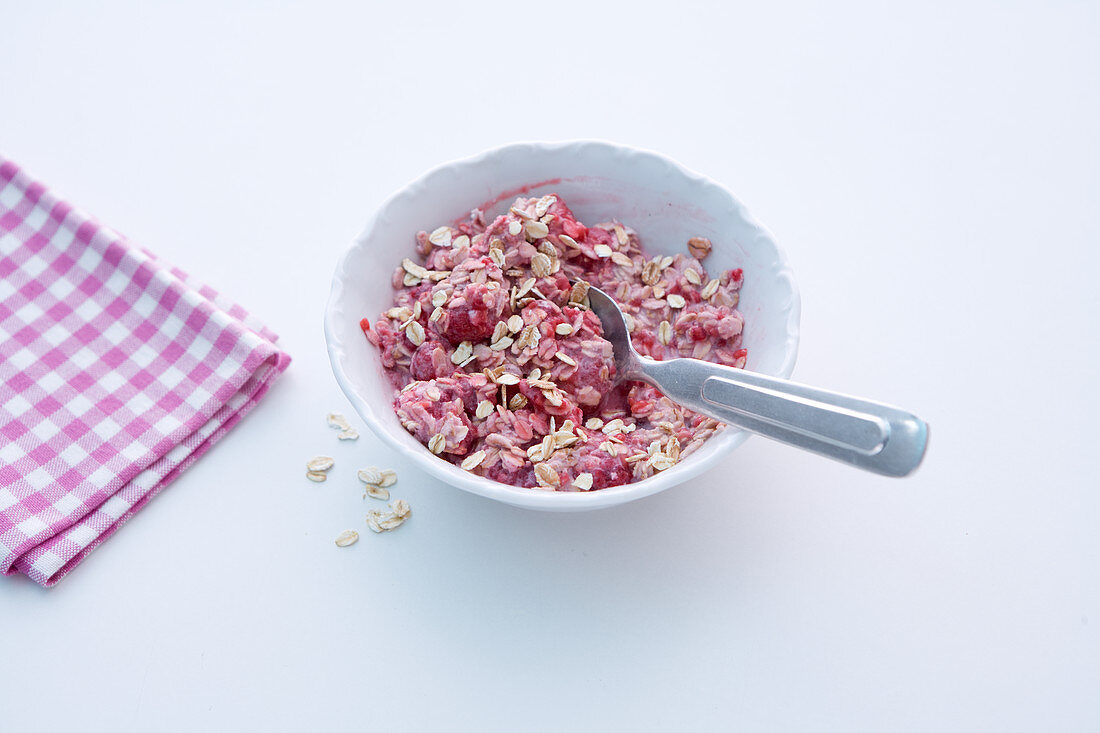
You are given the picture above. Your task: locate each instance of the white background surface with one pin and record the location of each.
(932, 170)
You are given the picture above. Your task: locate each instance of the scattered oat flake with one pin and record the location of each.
(389, 478)
(377, 492)
(385, 520)
(349, 434)
(565, 358)
(336, 420)
(316, 476)
(602, 250)
(676, 301)
(370, 475)
(320, 463)
(710, 289)
(437, 444)
(347, 537)
(563, 329)
(536, 229)
(583, 481)
(692, 276)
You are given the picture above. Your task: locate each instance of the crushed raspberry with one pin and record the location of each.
(506, 357)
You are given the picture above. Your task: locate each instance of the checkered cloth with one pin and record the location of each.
(116, 373)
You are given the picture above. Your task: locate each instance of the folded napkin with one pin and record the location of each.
(117, 372)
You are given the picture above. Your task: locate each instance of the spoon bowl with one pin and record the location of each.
(665, 203)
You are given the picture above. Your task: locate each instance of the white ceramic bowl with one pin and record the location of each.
(665, 203)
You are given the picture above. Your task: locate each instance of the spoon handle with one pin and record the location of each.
(865, 434)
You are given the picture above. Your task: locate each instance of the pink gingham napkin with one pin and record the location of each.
(117, 372)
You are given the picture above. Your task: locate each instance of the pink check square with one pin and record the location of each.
(117, 372)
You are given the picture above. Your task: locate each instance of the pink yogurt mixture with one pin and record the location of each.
(501, 368)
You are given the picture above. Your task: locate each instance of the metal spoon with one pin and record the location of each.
(868, 435)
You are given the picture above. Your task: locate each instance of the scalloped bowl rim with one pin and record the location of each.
(728, 439)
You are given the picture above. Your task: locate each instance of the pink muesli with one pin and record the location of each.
(501, 368)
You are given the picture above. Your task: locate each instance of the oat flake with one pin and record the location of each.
(320, 463)
(473, 460)
(347, 537)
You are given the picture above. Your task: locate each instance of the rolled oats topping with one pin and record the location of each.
(501, 368)
(699, 247)
(441, 237)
